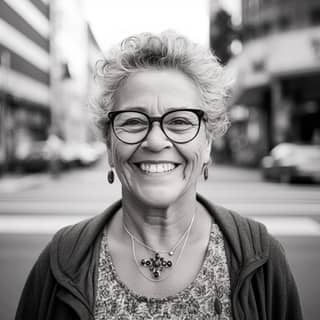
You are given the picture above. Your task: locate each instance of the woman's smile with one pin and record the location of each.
(156, 168)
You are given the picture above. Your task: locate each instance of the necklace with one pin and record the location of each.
(170, 252)
(157, 263)
(156, 270)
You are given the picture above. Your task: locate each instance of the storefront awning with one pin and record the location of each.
(278, 55)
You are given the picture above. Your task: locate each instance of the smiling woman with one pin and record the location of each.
(162, 251)
(169, 98)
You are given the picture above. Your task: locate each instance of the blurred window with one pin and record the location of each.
(315, 16)
(265, 28)
(248, 32)
(283, 22)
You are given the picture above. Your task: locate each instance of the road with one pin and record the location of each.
(32, 209)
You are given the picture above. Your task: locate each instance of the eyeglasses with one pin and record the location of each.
(179, 126)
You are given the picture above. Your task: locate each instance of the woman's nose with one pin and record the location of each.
(156, 140)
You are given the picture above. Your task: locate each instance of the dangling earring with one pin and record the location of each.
(110, 176)
(205, 172)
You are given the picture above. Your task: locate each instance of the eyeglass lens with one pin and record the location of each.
(179, 126)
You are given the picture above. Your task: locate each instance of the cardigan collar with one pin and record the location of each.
(75, 249)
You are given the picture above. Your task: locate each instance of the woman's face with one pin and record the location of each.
(157, 171)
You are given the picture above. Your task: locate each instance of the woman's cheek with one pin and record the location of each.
(197, 165)
(193, 167)
(116, 157)
(121, 155)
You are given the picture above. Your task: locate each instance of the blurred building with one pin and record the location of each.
(47, 56)
(276, 95)
(24, 75)
(74, 53)
(95, 54)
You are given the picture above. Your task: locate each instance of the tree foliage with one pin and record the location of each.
(222, 33)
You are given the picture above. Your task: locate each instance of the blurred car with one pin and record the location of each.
(86, 155)
(79, 154)
(290, 162)
(32, 156)
(100, 148)
(68, 155)
(56, 154)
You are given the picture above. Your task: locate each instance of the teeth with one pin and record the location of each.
(157, 167)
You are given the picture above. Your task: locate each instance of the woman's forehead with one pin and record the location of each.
(158, 90)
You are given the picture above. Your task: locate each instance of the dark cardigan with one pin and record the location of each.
(62, 283)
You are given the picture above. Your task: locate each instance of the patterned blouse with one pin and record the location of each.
(207, 297)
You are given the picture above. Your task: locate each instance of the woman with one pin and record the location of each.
(163, 251)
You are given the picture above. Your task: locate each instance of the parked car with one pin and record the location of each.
(100, 148)
(68, 155)
(86, 155)
(291, 162)
(79, 154)
(32, 156)
(56, 154)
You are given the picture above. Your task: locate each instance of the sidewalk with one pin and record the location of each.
(220, 172)
(10, 183)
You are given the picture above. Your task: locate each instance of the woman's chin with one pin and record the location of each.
(158, 197)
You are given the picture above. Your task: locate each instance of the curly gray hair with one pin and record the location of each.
(166, 50)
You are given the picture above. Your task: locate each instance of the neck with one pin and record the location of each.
(158, 227)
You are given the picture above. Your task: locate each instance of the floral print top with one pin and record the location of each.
(207, 297)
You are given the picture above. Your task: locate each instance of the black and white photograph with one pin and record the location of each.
(159, 160)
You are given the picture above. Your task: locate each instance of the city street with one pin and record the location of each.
(256, 63)
(33, 208)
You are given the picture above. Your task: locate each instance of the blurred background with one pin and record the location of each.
(52, 161)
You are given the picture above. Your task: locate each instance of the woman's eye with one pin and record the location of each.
(133, 122)
(179, 121)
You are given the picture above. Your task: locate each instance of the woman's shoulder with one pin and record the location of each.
(86, 228)
(232, 220)
(243, 234)
(73, 243)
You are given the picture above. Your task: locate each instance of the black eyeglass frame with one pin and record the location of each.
(200, 113)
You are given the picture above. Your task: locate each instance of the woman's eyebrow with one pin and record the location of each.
(138, 108)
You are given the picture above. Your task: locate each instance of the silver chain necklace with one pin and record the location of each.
(170, 252)
(157, 263)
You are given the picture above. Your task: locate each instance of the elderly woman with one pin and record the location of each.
(163, 251)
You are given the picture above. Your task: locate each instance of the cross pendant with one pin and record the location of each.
(156, 264)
